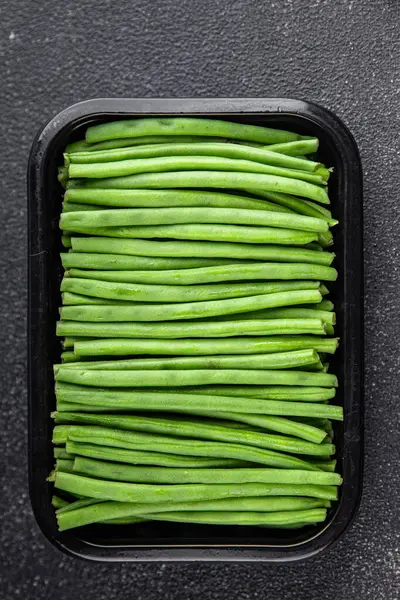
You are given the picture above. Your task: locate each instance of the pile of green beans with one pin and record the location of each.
(194, 384)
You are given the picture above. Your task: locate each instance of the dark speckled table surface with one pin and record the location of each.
(344, 55)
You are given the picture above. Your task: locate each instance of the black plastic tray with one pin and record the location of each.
(171, 541)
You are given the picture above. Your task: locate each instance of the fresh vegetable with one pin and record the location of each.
(195, 385)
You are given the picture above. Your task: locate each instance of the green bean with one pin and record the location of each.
(191, 293)
(211, 179)
(199, 377)
(181, 329)
(82, 502)
(121, 262)
(309, 146)
(101, 511)
(174, 126)
(220, 233)
(138, 457)
(68, 342)
(288, 313)
(172, 216)
(198, 430)
(70, 207)
(225, 398)
(266, 271)
(279, 424)
(181, 309)
(235, 151)
(314, 246)
(280, 360)
(61, 453)
(143, 441)
(68, 357)
(128, 473)
(122, 168)
(83, 146)
(298, 205)
(325, 212)
(326, 465)
(58, 502)
(66, 241)
(231, 251)
(317, 515)
(163, 199)
(325, 239)
(64, 465)
(268, 392)
(137, 400)
(323, 305)
(193, 347)
(144, 493)
(272, 287)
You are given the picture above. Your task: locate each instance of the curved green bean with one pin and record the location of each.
(309, 146)
(211, 179)
(144, 441)
(283, 425)
(160, 459)
(111, 511)
(84, 146)
(272, 287)
(220, 149)
(257, 294)
(270, 423)
(174, 126)
(184, 427)
(193, 293)
(298, 205)
(161, 164)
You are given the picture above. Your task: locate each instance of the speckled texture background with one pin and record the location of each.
(344, 55)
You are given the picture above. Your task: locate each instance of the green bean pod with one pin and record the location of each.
(198, 346)
(207, 250)
(210, 179)
(182, 215)
(122, 168)
(265, 271)
(129, 473)
(197, 429)
(235, 151)
(190, 447)
(279, 360)
(182, 329)
(176, 126)
(138, 399)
